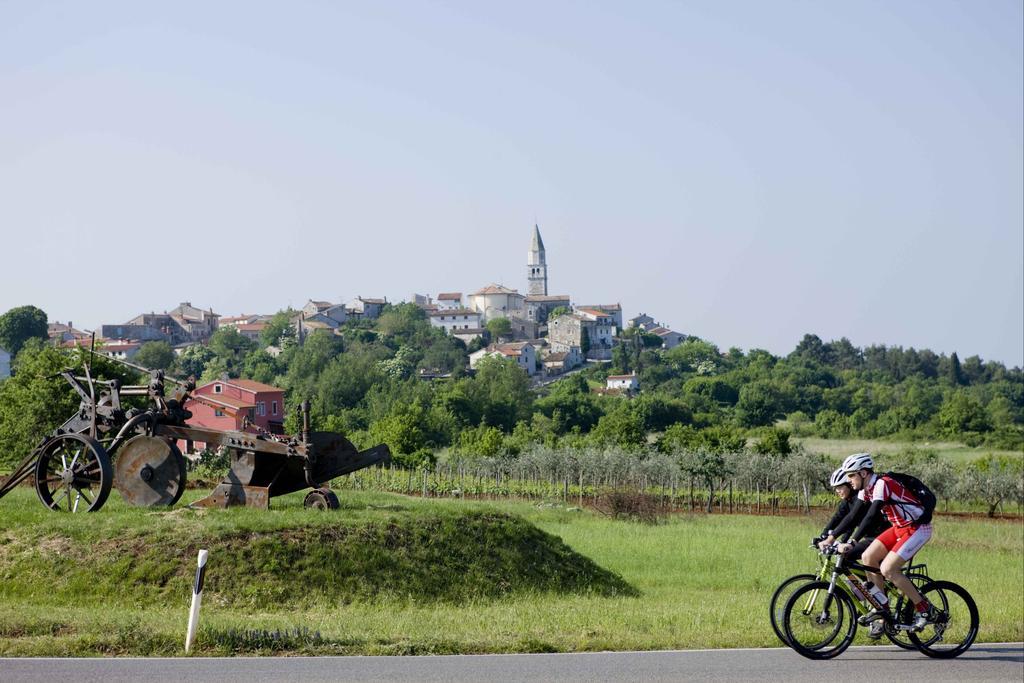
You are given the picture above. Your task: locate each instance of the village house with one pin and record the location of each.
(325, 311)
(669, 339)
(627, 383)
(452, 319)
(60, 333)
(642, 321)
(585, 328)
(539, 306)
(555, 363)
(523, 353)
(612, 310)
(184, 324)
(447, 301)
(366, 308)
(237, 405)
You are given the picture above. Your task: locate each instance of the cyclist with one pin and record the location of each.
(847, 502)
(893, 547)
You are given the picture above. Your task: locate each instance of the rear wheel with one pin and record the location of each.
(957, 626)
(902, 608)
(818, 625)
(781, 597)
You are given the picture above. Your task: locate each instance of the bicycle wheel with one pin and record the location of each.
(816, 625)
(903, 609)
(957, 627)
(781, 596)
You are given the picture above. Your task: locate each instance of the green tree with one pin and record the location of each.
(155, 355)
(20, 324)
(962, 413)
(559, 310)
(758, 404)
(499, 328)
(193, 360)
(280, 326)
(774, 441)
(502, 392)
(622, 426)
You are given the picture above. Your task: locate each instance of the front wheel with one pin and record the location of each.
(818, 625)
(779, 599)
(957, 627)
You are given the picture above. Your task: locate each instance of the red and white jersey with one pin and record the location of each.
(900, 505)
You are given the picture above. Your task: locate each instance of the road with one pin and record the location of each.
(985, 662)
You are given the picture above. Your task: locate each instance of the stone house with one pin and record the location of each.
(186, 323)
(555, 363)
(325, 310)
(642, 321)
(523, 353)
(614, 311)
(568, 330)
(539, 306)
(669, 339)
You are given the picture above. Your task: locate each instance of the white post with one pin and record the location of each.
(197, 598)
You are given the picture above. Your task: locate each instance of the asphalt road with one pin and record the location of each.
(986, 662)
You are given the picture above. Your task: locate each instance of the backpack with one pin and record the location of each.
(920, 491)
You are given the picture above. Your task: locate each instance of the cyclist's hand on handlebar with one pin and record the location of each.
(823, 545)
(844, 548)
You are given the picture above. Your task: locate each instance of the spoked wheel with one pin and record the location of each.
(957, 627)
(321, 499)
(817, 625)
(904, 609)
(73, 473)
(781, 597)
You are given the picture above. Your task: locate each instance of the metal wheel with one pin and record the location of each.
(957, 626)
(818, 625)
(73, 473)
(149, 471)
(321, 499)
(781, 597)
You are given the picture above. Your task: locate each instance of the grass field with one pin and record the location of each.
(697, 581)
(954, 452)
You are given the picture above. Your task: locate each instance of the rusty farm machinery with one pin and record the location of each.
(106, 444)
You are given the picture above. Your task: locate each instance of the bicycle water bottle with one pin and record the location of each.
(877, 593)
(853, 589)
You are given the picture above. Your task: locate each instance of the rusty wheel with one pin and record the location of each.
(73, 473)
(149, 471)
(321, 499)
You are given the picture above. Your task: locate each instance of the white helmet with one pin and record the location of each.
(838, 478)
(858, 462)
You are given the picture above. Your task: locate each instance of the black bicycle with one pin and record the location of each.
(820, 618)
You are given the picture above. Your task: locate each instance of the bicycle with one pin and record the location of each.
(918, 573)
(819, 612)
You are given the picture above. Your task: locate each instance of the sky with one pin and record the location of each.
(747, 172)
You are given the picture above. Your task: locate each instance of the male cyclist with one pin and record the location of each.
(847, 504)
(895, 546)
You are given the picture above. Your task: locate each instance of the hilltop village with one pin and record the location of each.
(545, 334)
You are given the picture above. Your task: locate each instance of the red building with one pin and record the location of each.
(233, 404)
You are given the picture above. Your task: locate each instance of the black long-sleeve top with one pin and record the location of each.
(856, 517)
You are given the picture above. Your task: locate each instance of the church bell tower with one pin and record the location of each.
(537, 266)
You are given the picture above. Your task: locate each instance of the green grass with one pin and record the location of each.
(952, 451)
(700, 581)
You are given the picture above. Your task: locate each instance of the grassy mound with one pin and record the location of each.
(417, 557)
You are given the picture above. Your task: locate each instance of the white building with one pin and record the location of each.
(447, 301)
(497, 301)
(523, 353)
(5, 363)
(623, 382)
(455, 319)
(612, 310)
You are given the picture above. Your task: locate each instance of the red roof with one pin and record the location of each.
(251, 385)
(449, 296)
(222, 400)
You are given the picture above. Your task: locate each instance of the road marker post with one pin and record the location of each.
(197, 599)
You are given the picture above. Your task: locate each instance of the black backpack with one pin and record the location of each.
(920, 491)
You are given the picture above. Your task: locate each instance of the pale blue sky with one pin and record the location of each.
(743, 171)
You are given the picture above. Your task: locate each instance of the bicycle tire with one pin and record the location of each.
(945, 593)
(797, 616)
(776, 606)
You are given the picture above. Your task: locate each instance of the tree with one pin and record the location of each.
(499, 328)
(708, 467)
(193, 361)
(155, 355)
(280, 325)
(20, 324)
(758, 404)
(584, 341)
(559, 310)
(774, 442)
(961, 413)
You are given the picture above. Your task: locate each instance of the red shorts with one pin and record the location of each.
(907, 541)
